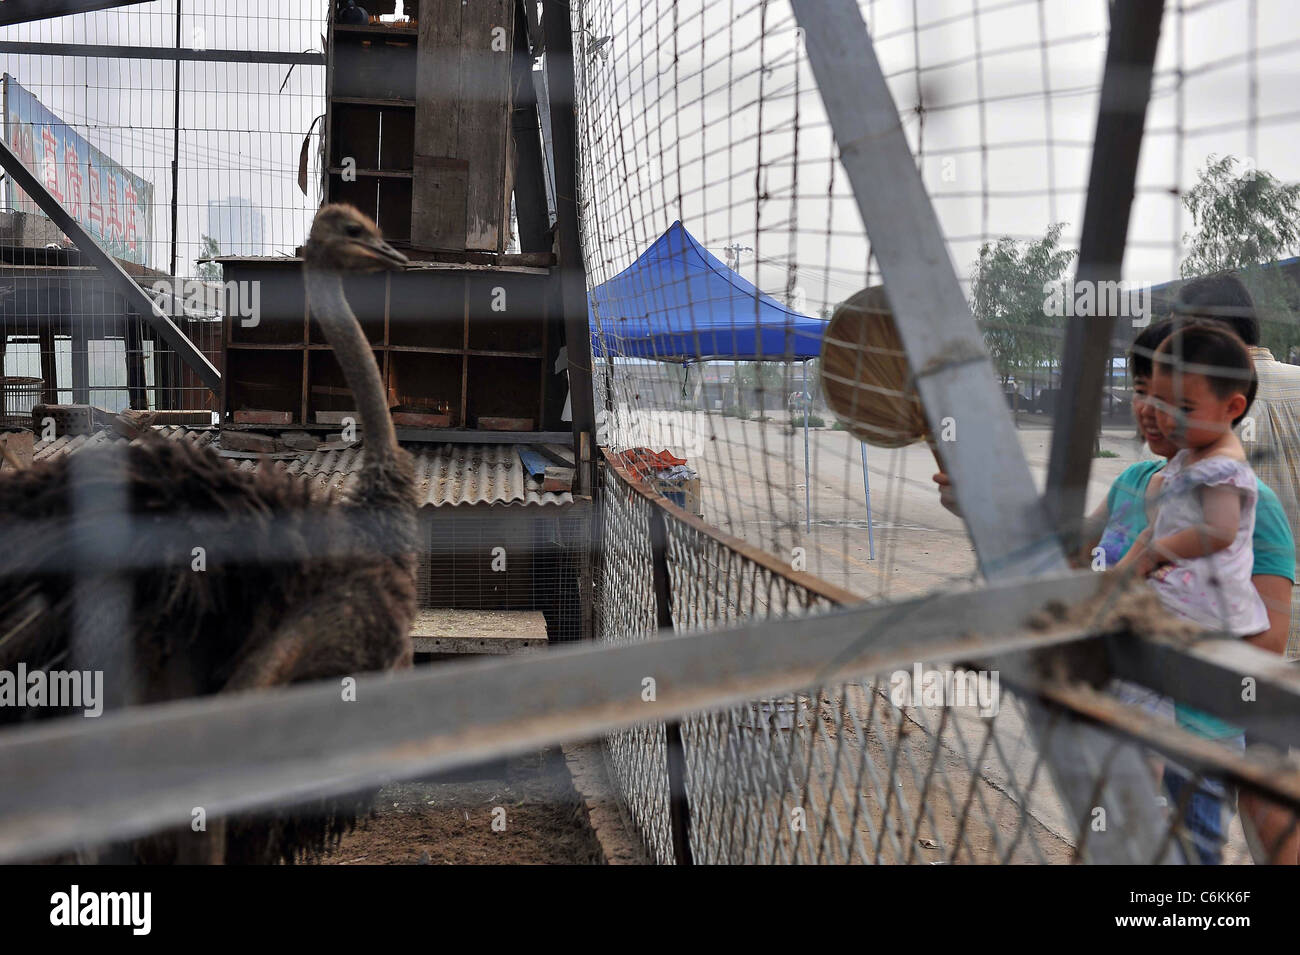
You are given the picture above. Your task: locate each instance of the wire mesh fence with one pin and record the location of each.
(932, 763)
(721, 236)
(174, 132)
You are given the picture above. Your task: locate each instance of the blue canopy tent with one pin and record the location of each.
(679, 303)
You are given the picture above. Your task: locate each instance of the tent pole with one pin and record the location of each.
(866, 490)
(807, 471)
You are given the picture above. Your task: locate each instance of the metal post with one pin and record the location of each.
(866, 490)
(954, 378)
(679, 811)
(558, 33)
(807, 469)
(176, 140)
(1125, 90)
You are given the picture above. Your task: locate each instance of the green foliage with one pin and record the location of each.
(1008, 300)
(814, 421)
(1248, 221)
(209, 271)
(768, 375)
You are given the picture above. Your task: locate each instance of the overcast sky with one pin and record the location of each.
(692, 129)
(682, 141)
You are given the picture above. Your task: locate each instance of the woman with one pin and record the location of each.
(1108, 534)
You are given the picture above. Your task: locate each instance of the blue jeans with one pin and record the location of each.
(1203, 816)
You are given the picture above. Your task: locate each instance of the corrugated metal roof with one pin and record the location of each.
(445, 474)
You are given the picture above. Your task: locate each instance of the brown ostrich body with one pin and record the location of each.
(293, 589)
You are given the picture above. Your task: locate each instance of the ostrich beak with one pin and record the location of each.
(383, 254)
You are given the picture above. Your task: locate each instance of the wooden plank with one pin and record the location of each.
(16, 450)
(262, 416)
(499, 423)
(560, 453)
(439, 201)
(557, 479)
(487, 28)
(247, 441)
(444, 630)
(421, 419)
(440, 186)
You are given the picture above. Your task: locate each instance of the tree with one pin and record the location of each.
(1009, 295)
(1247, 222)
(209, 271)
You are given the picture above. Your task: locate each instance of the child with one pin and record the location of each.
(1197, 552)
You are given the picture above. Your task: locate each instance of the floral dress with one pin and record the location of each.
(1214, 592)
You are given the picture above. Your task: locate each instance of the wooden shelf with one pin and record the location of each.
(377, 173)
(372, 29)
(370, 101)
(426, 349)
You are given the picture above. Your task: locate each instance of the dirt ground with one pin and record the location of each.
(539, 821)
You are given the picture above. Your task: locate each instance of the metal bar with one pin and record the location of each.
(117, 52)
(24, 11)
(958, 389)
(954, 376)
(1125, 90)
(78, 781)
(679, 811)
(1215, 675)
(1273, 772)
(807, 468)
(530, 175)
(558, 31)
(866, 492)
(176, 140)
(113, 272)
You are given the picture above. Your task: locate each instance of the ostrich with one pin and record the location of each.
(292, 590)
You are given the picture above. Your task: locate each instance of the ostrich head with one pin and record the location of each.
(344, 240)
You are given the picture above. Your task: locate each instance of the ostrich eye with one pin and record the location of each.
(355, 231)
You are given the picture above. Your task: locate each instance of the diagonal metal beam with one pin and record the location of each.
(1012, 534)
(954, 375)
(24, 11)
(1121, 118)
(78, 781)
(112, 271)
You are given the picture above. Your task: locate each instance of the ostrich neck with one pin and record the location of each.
(343, 332)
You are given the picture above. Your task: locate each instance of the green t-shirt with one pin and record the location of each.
(1273, 544)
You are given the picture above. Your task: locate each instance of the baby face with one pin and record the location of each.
(1188, 412)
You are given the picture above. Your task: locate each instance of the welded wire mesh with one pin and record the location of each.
(928, 764)
(707, 114)
(167, 161)
(719, 227)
